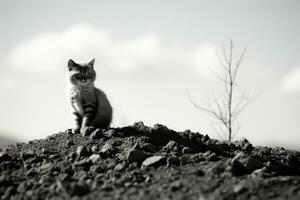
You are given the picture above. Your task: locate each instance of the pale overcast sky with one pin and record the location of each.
(147, 53)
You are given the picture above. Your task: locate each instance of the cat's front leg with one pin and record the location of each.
(87, 125)
(77, 119)
(88, 117)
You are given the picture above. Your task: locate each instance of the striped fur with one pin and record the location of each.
(89, 105)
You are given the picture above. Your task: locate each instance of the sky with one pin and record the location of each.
(148, 54)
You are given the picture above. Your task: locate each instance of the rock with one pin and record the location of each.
(242, 164)
(4, 156)
(236, 167)
(48, 151)
(8, 193)
(69, 143)
(221, 146)
(5, 181)
(149, 147)
(161, 128)
(239, 188)
(173, 161)
(259, 172)
(82, 151)
(206, 138)
(140, 126)
(212, 157)
(46, 179)
(106, 149)
(95, 149)
(293, 159)
(86, 131)
(186, 150)
(176, 185)
(72, 155)
(69, 132)
(245, 145)
(22, 187)
(28, 154)
(96, 134)
(54, 156)
(136, 155)
(110, 133)
(95, 158)
(172, 145)
(154, 161)
(119, 167)
(83, 163)
(44, 168)
(198, 172)
(31, 172)
(97, 169)
(251, 163)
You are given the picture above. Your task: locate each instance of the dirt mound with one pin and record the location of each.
(140, 162)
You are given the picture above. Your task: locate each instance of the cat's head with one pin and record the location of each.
(81, 74)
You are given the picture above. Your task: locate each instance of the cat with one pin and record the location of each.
(89, 105)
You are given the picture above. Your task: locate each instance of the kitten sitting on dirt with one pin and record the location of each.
(89, 105)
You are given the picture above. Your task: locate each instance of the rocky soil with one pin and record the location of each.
(140, 162)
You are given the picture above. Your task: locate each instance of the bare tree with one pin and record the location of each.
(229, 106)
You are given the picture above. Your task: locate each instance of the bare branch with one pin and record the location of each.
(208, 110)
(221, 62)
(238, 64)
(229, 106)
(218, 76)
(224, 54)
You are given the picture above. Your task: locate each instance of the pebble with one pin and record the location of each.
(106, 149)
(171, 145)
(31, 172)
(69, 143)
(5, 180)
(135, 155)
(149, 147)
(97, 169)
(82, 151)
(95, 158)
(4, 156)
(28, 154)
(110, 133)
(173, 161)
(87, 131)
(154, 161)
(96, 134)
(119, 167)
(186, 150)
(95, 149)
(176, 185)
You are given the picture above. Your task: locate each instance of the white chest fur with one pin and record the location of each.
(80, 95)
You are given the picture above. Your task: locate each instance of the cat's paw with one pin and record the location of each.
(85, 131)
(76, 130)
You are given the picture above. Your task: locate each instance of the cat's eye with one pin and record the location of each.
(76, 76)
(89, 75)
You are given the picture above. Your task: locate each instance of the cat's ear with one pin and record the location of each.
(71, 64)
(91, 63)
